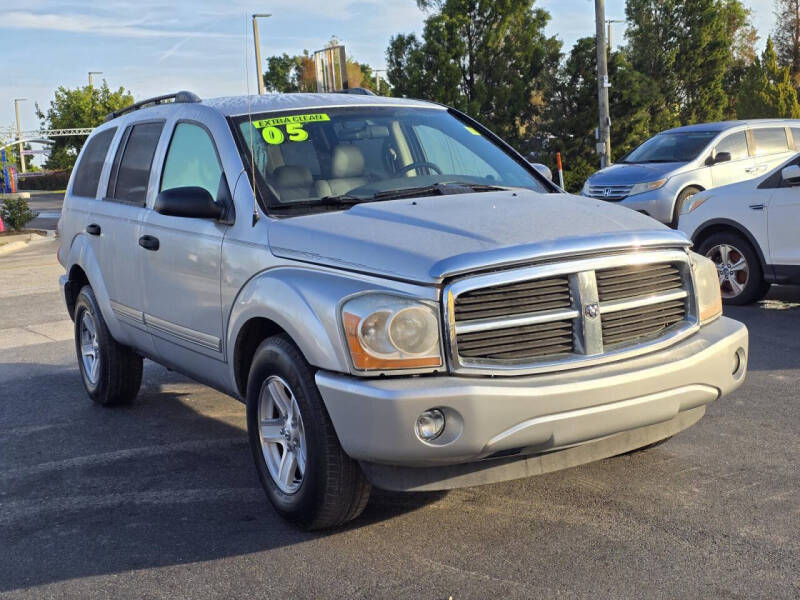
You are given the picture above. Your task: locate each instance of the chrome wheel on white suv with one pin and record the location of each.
(732, 268)
(741, 277)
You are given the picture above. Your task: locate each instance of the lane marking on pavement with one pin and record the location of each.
(30, 508)
(41, 333)
(110, 457)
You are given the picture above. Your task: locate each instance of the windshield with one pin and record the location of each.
(671, 147)
(338, 156)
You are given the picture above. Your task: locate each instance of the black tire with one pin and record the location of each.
(119, 372)
(754, 288)
(682, 197)
(333, 489)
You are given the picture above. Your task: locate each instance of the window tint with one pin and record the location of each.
(796, 136)
(88, 174)
(137, 158)
(191, 161)
(450, 155)
(736, 144)
(770, 140)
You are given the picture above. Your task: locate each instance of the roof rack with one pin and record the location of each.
(357, 90)
(182, 97)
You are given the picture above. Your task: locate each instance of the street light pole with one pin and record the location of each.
(604, 125)
(19, 134)
(256, 42)
(91, 77)
(610, 37)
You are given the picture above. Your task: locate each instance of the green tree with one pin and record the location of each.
(281, 75)
(767, 89)
(489, 58)
(572, 111)
(786, 36)
(79, 107)
(687, 48)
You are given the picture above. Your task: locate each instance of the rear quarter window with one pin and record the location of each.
(770, 140)
(87, 175)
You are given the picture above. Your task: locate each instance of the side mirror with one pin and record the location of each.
(720, 157)
(543, 169)
(190, 201)
(791, 174)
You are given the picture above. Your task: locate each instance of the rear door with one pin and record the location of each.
(738, 167)
(117, 220)
(182, 274)
(783, 224)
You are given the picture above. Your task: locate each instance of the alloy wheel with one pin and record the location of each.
(732, 268)
(282, 435)
(90, 347)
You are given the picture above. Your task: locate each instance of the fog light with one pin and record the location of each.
(430, 425)
(739, 362)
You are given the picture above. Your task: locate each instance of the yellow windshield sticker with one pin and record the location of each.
(272, 134)
(309, 118)
(472, 130)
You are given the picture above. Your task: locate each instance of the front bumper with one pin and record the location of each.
(489, 417)
(658, 204)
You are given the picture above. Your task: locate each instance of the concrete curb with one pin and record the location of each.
(13, 243)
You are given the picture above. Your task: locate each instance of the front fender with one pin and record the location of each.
(304, 302)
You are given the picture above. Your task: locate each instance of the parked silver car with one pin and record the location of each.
(397, 295)
(657, 177)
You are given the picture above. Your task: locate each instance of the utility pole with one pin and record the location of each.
(377, 73)
(604, 125)
(19, 134)
(257, 43)
(91, 77)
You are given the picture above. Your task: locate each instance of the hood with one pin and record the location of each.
(624, 174)
(427, 239)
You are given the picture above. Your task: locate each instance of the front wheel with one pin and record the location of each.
(306, 475)
(741, 278)
(679, 202)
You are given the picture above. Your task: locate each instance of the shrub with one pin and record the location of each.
(16, 213)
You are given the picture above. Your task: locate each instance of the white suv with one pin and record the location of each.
(750, 230)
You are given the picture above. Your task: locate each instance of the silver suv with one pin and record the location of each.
(399, 298)
(660, 175)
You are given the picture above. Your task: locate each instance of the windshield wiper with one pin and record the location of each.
(441, 189)
(325, 201)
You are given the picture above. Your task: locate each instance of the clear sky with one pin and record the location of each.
(156, 46)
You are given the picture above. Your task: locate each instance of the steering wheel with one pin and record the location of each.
(417, 165)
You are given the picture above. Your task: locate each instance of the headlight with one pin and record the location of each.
(585, 190)
(386, 332)
(640, 188)
(693, 202)
(706, 287)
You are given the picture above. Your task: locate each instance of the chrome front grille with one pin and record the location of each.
(613, 193)
(564, 315)
(513, 299)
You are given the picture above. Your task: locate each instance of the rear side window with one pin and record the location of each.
(132, 170)
(88, 174)
(796, 136)
(770, 140)
(736, 144)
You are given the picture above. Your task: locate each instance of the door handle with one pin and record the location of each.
(148, 242)
(93, 229)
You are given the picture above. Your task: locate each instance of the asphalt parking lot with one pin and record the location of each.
(161, 500)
